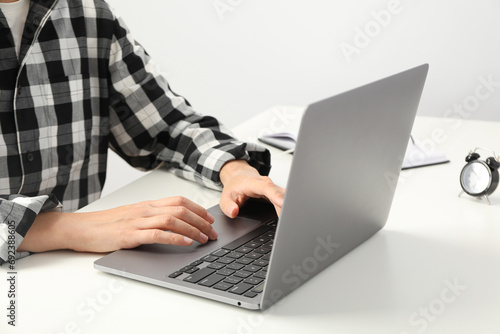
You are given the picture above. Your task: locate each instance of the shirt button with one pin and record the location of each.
(19, 90)
(30, 157)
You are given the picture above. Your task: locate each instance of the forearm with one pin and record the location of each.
(82, 232)
(17, 214)
(50, 231)
(175, 220)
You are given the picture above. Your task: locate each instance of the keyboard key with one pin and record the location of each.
(260, 263)
(266, 257)
(273, 224)
(175, 274)
(269, 244)
(211, 280)
(253, 255)
(243, 249)
(186, 268)
(216, 266)
(261, 239)
(209, 258)
(242, 274)
(196, 263)
(269, 234)
(258, 288)
(225, 260)
(199, 275)
(253, 280)
(247, 237)
(225, 272)
(260, 274)
(240, 288)
(252, 268)
(250, 294)
(233, 280)
(262, 250)
(235, 255)
(253, 244)
(220, 252)
(222, 286)
(192, 270)
(244, 260)
(235, 266)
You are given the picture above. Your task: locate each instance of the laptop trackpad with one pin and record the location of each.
(171, 258)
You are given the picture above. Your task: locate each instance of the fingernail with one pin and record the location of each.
(203, 237)
(210, 217)
(231, 212)
(188, 240)
(214, 234)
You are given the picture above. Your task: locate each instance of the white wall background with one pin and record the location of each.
(235, 58)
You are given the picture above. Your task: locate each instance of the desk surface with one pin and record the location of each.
(434, 268)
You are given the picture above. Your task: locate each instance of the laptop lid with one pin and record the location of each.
(343, 177)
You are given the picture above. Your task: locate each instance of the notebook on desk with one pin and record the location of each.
(417, 153)
(338, 195)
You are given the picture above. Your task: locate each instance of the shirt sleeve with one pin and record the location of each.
(153, 126)
(17, 214)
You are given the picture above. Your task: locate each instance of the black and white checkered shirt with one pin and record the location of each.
(82, 84)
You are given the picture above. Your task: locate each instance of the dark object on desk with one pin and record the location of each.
(284, 141)
(479, 178)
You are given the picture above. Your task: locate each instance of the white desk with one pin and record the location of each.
(397, 282)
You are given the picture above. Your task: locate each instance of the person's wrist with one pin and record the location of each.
(50, 231)
(233, 167)
(71, 234)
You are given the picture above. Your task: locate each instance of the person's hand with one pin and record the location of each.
(241, 181)
(175, 221)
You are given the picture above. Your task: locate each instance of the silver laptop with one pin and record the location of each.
(340, 189)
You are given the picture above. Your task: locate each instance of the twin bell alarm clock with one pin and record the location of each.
(479, 178)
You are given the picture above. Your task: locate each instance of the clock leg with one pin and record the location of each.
(487, 199)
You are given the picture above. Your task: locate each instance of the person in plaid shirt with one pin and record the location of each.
(73, 83)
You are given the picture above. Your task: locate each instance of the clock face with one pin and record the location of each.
(476, 178)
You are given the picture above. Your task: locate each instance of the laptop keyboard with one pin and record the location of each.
(239, 267)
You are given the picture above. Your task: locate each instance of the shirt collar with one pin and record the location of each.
(38, 10)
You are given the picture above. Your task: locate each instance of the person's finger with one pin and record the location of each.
(182, 201)
(142, 237)
(278, 210)
(230, 202)
(186, 211)
(187, 224)
(193, 219)
(233, 197)
(274, 194)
